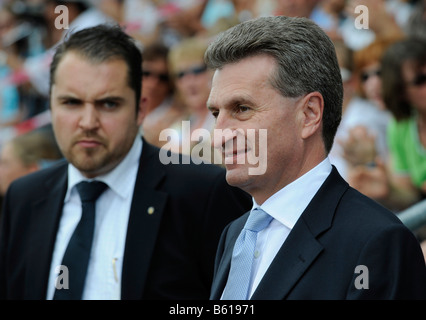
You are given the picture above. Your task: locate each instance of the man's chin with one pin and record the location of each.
(90, 166)
(237, 176)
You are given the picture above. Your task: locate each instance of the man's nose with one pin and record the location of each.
(89, 118)
(223, 132)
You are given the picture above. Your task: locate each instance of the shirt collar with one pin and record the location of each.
(117, 178)
(288, 204)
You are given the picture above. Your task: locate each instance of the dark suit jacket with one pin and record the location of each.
(168, 255)
(338, 231)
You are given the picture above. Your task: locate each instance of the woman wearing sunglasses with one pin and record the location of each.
(362, 132)
(192, 80)
(401, 182)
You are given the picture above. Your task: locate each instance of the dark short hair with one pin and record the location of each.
(393, 86)
(102, 43)
(304, 54)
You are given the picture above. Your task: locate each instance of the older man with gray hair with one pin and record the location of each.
(309, 234)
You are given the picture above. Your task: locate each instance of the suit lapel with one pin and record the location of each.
(302, 247)
(221, 275)
(145, 217)
(295, 256)
(44, 220)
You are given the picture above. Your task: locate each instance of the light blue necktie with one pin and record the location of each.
(239, 276)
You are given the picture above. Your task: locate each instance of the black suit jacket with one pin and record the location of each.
(169, 254)
(338, 231)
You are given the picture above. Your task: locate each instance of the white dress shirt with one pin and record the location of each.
(103, 281)
(285, 206)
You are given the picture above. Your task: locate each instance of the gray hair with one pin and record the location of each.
(304, 54)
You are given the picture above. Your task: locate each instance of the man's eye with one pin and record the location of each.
(241, 109)
(109, 104)
(71, 102)
(215, 114)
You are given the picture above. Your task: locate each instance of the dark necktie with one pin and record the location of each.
(77, 254)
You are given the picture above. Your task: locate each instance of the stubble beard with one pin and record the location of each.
(94, 161)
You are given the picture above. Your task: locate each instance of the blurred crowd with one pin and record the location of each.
(380, 147)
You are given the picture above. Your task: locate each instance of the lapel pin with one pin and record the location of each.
(150, 210)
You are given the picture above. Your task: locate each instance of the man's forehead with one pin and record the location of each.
(229, 84)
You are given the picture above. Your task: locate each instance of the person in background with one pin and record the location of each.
(362, 133)
(346, 63)
(152, 233)
(309, 234)
(24, 154)
(192, 81)
(167, 21)
(158, 98)
(386, 19)
(21, 37)
(330, 16)
(401, 181)
(219, 14)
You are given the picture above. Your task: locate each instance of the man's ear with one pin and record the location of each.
(312, 108)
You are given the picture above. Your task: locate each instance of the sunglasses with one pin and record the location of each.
(418, 81)
(366, 75)
(163, 77)
(195, 70)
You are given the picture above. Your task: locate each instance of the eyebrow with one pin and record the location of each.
(231, 102)
(114, 98)
(107, 98)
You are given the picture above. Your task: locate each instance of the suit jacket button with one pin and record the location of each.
(150, 210)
